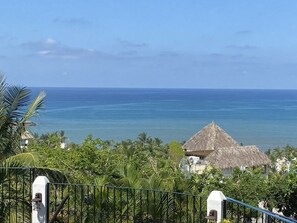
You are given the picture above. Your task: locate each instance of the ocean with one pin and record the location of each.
(265, 118)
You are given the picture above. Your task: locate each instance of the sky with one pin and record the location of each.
(230, 44)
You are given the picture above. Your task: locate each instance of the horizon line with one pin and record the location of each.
(164, 88)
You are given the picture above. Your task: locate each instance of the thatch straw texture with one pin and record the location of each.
(207, 140)
(27, 135)
(245, 156)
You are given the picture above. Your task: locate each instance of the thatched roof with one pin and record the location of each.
(27, 135)
(246, 156)
(207, 140)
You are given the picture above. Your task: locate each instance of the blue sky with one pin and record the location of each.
(141, 43)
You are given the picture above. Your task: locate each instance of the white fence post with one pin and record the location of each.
(40, 200)
(215, 206)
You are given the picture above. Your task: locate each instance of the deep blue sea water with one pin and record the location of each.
(266, 118)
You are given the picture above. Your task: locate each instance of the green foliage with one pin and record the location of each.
(249, 186)
(147, 163)
(52, 140)
(283, 193)
(143, 163)
(287, 152)
(282, 184)
(211, 179)
(176, 152)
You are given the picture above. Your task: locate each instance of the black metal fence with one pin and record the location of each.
(15, 194)
(237, 211)
(119, 204)
(91, 204)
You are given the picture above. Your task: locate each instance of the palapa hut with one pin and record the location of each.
(227, 159)
(208, 140)
(213, 146)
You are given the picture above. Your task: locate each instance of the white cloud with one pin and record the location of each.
(51, 48)
(50, 41)
(44, 52)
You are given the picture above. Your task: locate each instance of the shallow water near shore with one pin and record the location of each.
(266, 118)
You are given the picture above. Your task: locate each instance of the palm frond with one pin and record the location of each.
(2, 87)
(23, 159)
(15, 113)
(12, 109)
(53, 174)
(35, 106)
(16, 99)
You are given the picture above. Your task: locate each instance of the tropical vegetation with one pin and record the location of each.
(148, 163)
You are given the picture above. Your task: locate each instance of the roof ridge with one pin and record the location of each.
(208, 138)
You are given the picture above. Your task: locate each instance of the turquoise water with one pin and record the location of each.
(266, 118)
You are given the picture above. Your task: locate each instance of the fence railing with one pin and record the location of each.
(237, 211)
(15, 194)
(120, 204)
(92, 204)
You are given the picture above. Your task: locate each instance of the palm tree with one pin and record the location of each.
(15, 112)
(144, 139)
